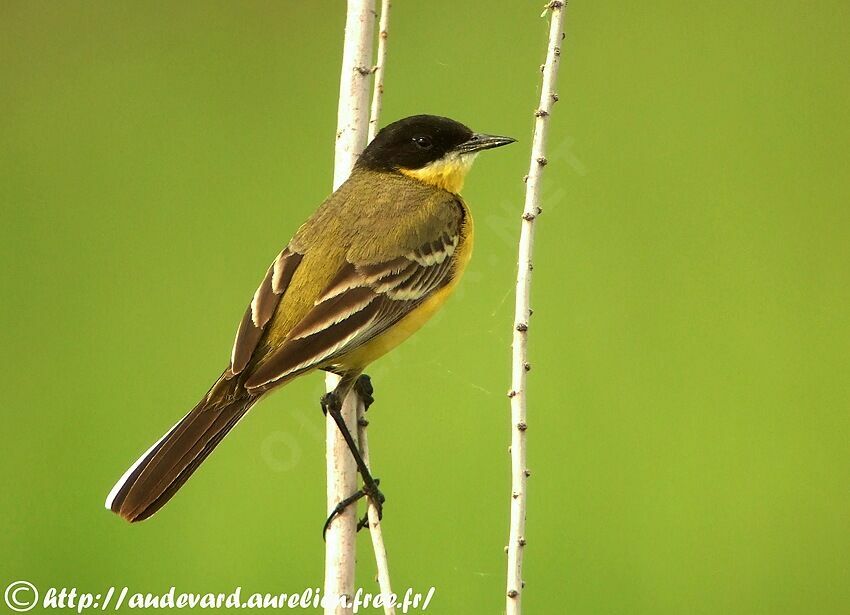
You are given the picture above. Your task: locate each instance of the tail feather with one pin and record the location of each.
(157, 475)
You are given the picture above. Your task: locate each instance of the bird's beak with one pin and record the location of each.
(479, 142)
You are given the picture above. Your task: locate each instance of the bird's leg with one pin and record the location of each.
(364, 389)
(332, 404)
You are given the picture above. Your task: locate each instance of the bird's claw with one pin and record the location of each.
(365, 390)
(330, 401)
(375, 497)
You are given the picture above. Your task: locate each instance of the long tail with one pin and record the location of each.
(165, 466)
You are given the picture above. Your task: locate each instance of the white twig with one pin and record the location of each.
(353, 114)
(352, 126)
(342, 482)
(375, 531)
(380, 64)
(520, 365)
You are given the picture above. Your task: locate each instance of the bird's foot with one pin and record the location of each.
(375, 497)
(364, 389)
(330, 402)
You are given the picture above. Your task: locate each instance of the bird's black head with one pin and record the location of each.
(414, 142)
(427, 147)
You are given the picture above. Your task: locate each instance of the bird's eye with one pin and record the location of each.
(423, 142)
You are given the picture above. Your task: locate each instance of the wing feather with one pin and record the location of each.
(262, 308)
(302, 353)
(361, 301)
(332, 311)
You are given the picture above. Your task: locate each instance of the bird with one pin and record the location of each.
(368, 268)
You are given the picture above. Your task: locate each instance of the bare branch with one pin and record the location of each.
(380, 64)
(520, 363)
(353, 113)
(375, 530)
(352, 126)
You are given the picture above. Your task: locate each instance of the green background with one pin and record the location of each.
(688, 420)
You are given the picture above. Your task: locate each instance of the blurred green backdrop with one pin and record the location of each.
(689, 398)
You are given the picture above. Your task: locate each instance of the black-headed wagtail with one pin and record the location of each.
(368, 268)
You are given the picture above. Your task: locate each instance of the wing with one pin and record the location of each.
(262, 307)
(363, 300)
